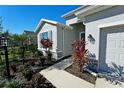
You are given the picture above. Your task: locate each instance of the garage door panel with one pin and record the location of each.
(121, 44)
(121, 34)
(114, 47)
(110, 57)
(121, 56)
(111, 44)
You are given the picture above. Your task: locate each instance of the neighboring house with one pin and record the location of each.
(32, 37)
(61, 35)
(104, 32)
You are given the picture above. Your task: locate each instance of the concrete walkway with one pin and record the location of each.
(102, 83)
(62, 79)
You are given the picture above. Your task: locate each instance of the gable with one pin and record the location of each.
(47, 27)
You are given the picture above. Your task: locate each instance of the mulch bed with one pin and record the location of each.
(37, 80)
(74, 69)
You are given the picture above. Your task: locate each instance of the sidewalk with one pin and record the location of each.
(62, 79)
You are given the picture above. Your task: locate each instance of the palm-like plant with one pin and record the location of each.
(115, 74)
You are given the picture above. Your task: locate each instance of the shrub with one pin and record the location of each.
(2, 84)
(13, 67)
(42, 60)
(2, 70)
(79, 53)
(47, 44)
(20, 68)
(33, 49)
(13, 84)
(27, 73)
(27, 65)
(32, 63)
(37, 80)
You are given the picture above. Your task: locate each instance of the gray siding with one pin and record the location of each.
(113, 11)
(60, 41)
(92, 23)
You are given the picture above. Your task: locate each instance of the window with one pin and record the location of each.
(44, 35)
(82, 35)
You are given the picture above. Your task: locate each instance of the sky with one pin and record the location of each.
(16, 18)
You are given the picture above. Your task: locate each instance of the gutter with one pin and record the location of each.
(86, 10)
(73, 11)
(91, 9)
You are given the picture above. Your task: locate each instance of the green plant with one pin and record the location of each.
(42, 60)
(2, 70)
(21, 68)
(14, 67)
(32, 63)
(2, 84)
(27, 72)
(0, 57)
(79, 53)
(37, 80)
(33, 49)
(13, 84)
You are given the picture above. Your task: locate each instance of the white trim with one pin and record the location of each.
(111, 24)
(86, 10)
(50, 22)
(73, 11)
(91, 9)
(42, 49)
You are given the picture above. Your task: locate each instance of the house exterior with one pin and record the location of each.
(32, 37)
(104, 32)
(61, 36)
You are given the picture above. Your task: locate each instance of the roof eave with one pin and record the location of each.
(91, 10)
(41, 22)
(73, 11)
(50, 22)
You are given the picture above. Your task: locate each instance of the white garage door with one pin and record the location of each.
(112, 46)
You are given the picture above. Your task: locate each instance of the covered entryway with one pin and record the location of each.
(111, 47)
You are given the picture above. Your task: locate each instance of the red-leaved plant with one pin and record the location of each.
(79, 53)
(47, 44)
